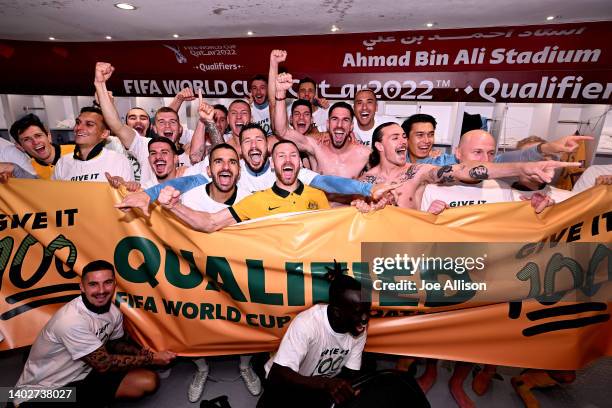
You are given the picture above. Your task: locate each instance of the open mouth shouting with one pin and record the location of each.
(288, 172)
(365, 117)
(401, 151)
(168, 133)
(255, 157)
(339, 136)
(225, 178)
(140, 128)
(301, 127)
(259, 99)
(41, 151)
(160, 166)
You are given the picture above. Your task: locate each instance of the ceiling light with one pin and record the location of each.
(429, 25)
(550, 18)
(250, 33)
(52, 38)
(175, 35)
(108, 37)
(125, 6)
(334, 28)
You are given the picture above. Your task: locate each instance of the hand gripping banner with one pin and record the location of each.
(546, 303)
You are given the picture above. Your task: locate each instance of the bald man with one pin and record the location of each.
(420, 130)
(479, 145)
(475, 145)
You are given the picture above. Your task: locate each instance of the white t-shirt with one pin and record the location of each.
(198, 168)
(186, 136)
(199, 200)
(184, 160)
(587, 179)
(4, 142)
(365, 136)
(9, 153)
(265, 178)
(319, 117)
(262, 117)
(140, 150)
(557, 194)
(250, 181)
(70, 169)
(72, 333)
(460, 194)
(114, 143)
(310, 347)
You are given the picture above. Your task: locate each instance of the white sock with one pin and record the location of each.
(245, 362)
(200, 363)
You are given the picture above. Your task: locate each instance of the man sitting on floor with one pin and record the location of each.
(84, 346)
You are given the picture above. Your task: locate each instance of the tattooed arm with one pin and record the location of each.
(124, 345)
(206, 125)
(102, 361)
(541, 172)
(215, 136)
(198, 144)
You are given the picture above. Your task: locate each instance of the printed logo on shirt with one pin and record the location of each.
(466, 202)
(265, 125)
(135, 167)
(313, 205)
(101, 332)
(86, 177)
(330, 362)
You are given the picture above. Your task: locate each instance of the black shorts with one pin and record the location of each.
(95, 390)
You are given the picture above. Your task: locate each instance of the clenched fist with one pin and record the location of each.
(278, 56)
(104, 70)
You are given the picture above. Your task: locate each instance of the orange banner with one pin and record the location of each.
(236, 291)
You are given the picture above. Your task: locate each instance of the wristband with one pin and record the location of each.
(280, 99)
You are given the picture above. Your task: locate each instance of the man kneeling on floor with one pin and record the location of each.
(84, 346)
(319, 358)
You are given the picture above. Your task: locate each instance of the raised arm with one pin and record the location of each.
(304, 143)
(197, 150)
(206, 124)
(126, 134)
(185, 94)
(197, 220)
(276, 57)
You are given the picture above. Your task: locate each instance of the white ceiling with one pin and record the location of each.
(92, 20)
